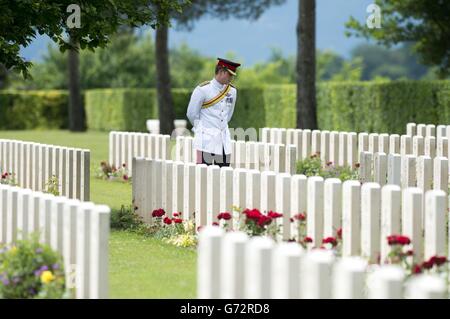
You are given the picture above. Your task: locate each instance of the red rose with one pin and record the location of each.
(410, 253)
(158, 212)
(167, 220)
(438, 261)
(224, 216)
(125, 177)
(177, 220)
(176, 214)
(308, 239)
(339, 233)
(199, 228)
(416, 269)
(330, 240)
(215, 224)
(264, 220)
(427, 265)
(403, 240)
(253, 214)
(300, 216)
(291, 220)
(392, 240)
(272, 214)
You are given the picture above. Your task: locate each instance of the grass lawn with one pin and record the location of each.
(140, 267)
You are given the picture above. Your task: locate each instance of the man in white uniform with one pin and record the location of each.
(210, 109)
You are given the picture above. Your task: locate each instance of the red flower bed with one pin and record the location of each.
(398, 240)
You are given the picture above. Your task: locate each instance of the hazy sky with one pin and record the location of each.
(252, 41)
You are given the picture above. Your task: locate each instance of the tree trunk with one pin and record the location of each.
(3, 76)
(306, 65)
(165, 100)
(76, 110)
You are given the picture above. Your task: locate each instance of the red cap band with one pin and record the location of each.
(229, 66)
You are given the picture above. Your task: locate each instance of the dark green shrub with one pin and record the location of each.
(126, 219)
(24, 110)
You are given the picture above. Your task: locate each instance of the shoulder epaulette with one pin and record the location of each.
(204, 83)
(232, 86)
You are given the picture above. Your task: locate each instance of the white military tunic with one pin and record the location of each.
(211, 124)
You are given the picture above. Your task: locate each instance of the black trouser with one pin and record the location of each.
(221, 160)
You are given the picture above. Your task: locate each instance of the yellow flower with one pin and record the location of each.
(13, 250)
(47, 276)
(184, 240)
(189, 226)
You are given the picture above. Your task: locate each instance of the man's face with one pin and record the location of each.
(225, 77)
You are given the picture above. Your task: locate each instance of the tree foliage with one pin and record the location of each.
(423, 23)
(398, 63)
(22, 20)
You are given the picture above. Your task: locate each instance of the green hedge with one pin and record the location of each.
(344, 106)
(279, 105)
(384, 107)
(120, 109)
(349, 106)
(24, 110)
(249, 109)
(128, 109)
(109, 109)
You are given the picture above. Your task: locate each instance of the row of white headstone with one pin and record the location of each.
(234, 266)
(34, 165)
(405, 171)
(209, 190)
(251, 155)
(366, 213)
(79, 231)
(124, 146)
(342, 148)
(413, 129)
